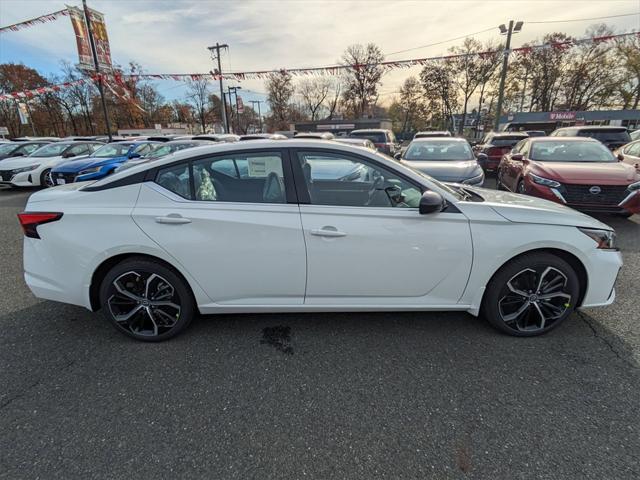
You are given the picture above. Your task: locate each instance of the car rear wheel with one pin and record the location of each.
(521, 188)
(531, 295)
(46, 179)
(146, 300)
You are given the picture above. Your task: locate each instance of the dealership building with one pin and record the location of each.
(342, 127)
(549, 121)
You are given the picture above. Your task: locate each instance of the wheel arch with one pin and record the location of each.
(101, 271)
(565, 255)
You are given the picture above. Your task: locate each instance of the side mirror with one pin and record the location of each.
(517, 157)
(473, 143)
(620, 157)
(134, 155)
(431, 202)
(397, 155)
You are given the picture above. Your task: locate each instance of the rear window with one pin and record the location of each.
(507, 141)
(375, 137)
(617, 135)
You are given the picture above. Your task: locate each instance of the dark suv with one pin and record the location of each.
(494, 145)
(612, 137)
(384, 140)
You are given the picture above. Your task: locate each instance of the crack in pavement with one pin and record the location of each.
(586, 319)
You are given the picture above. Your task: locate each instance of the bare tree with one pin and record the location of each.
(440, 91)
(198, 93)
(314, 93)
(628, 53)
(362, 78)
(280, 90)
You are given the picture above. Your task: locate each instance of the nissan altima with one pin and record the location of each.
(264, 226)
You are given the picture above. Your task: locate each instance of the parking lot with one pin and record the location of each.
(322, 395)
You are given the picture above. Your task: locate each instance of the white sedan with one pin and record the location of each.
(35, 169)
(308, 225)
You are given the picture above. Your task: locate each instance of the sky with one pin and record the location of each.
(171, 36)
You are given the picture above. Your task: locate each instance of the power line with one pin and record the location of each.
(443, 41)
(587, 19)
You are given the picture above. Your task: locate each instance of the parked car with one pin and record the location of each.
(100, 163)
(318, 135)
(384, 140)
(428, 134)
(579, 172)
(36, 139)
(162, 150)
(249, 227)
(358, 142)
(494, 145)
(19, 149)
(630, 153)
(635, 135)
(611, 137)
(536, 133)
(213, 137)
(445, 159)
(262, 136)
(35, 169)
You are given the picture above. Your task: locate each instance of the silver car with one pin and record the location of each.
(445, 159)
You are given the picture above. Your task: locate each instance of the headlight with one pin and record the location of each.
(474, 180)
(606, 239)
(90, 170)
(25, 169)
(634, 186)
(544, 181)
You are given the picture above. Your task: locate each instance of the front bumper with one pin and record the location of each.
(23, 179)
(603, 268)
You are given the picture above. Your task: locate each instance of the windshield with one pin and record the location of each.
(8, 148)
(506, 141)
(112, 150)
(438, 151)
(52, 150)
(573, 151)
(618, 136)
(375, 137)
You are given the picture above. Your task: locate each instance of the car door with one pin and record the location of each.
(232, 221)
(367, 244)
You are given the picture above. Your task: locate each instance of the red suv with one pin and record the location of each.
(579, 172)
(494, 145)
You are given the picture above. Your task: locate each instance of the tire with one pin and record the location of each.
(520, 310)
(520, 189)
(45, 179)
(142, 317)
(499, 185)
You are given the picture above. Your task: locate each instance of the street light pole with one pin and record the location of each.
(94, 53)
(218, 72)
(505, 63)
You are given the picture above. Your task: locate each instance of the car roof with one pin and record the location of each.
(438, 139)
(509, 134)
(372, 130)
(593, 127)
(563, 139)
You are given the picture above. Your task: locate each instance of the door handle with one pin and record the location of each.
(173, 219)
(328, 232)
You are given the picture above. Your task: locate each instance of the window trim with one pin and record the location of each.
(301, 184)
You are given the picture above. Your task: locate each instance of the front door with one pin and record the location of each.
(368, 245)
(232, 223)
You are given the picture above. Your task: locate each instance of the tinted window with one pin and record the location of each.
(375, 137)
(176, 179)
(112, 150)
(27, 149)
(78, 149)
(617, 136)
(505, 141)
(251, 177)
(343, 180)
(438, 151)
(570, 151)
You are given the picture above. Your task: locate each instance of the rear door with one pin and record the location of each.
(367, 244)
(233, 222)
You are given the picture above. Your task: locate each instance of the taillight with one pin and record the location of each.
(29, 221)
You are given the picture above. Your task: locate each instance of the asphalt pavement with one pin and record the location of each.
(344, 396)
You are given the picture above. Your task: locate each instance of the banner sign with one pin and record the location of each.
(85, 58)
(23, 113)
(562, 115)
(49, 17)
(100, 38)
(239, 104)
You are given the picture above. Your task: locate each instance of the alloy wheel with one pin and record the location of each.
(534, 299)
(48, 179)
(144, 303)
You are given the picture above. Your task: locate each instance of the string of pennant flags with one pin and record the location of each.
(49, 17)
(119, 79)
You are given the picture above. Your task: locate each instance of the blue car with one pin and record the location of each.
(101, 163)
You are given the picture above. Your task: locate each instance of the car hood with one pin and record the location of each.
(19, 162)
(526, 209)
(604, 173)
(75, 166)
(446, 171)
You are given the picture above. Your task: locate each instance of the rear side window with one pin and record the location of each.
(176, 179)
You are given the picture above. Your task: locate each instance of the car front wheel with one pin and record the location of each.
(531, 295)
(146, 300)
(46, 179)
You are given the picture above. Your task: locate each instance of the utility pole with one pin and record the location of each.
(218, 72)
(94, 53)
(253, 102)
(234, 90)
(505, 62)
